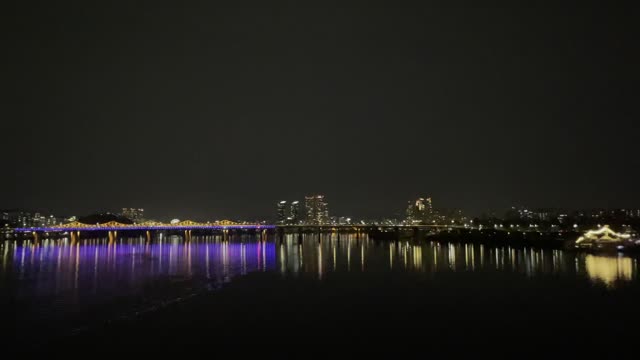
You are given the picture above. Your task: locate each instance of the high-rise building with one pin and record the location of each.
(294, 214)
(21, 218)
(410, 213)
(282, 212)
(39, 220)
(423, 205)
(135, 215)
(419, 211)
(51, 221)
(317, 210)
(288, 214)
(25, 219)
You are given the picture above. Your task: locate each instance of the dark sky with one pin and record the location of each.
(218, 109)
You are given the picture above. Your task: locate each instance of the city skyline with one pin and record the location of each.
(314, 211)
(403, 174)
(263, 210)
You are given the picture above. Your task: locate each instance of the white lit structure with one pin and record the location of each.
(604, 237)
(282, 212)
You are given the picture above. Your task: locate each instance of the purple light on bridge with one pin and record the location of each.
(145, 228)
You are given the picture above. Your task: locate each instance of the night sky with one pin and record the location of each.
(219, 109)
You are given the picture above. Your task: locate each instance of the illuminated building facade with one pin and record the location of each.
(288, 213)
(19, 218)
(282, 212)
(419, 211)
(294, 214)
(317, 210)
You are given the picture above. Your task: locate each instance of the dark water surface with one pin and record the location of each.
(334, 287)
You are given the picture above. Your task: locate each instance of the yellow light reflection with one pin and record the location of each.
(362, 256)
(319, 261)
(417, 257)
(609, 269)
(335, 264)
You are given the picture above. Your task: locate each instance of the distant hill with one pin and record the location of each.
(103, 218)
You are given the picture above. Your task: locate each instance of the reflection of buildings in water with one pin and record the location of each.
(404, 255)
(290, 254)
(319, 261)
(335, 264)
(283, 258)
(452, 257)
(362, 255)
(435, 255)
(417, 257)
(307, 254)
(609, 269)
(300, 257)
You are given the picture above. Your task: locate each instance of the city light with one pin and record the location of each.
(115, 226)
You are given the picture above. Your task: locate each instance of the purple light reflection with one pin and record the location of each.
(54, 280)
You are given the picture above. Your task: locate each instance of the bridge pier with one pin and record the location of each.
(148, 233)
(75, 236)
(112, 237)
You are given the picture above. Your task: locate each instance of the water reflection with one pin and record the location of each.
(433, 257)
(95, 267)
(609, 269)
(54, 276)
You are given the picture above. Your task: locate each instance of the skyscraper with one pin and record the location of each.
(294, 215)
(282, 212)
(317, 210)
(410, 213)
(420, 211)
(423, 205)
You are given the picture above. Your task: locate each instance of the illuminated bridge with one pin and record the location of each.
(113, 227)
(150, 225)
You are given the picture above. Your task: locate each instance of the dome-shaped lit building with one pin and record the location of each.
(606, 239)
